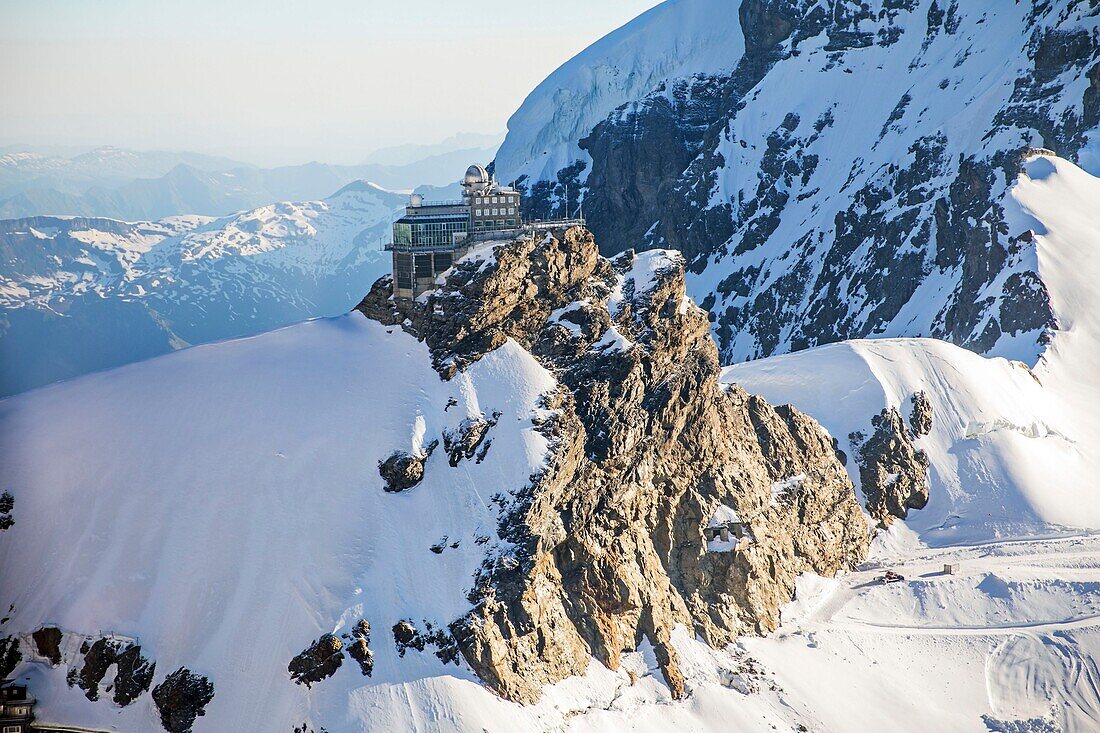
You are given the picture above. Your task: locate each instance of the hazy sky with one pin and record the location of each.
(273, 81)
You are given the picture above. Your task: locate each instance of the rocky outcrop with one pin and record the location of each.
(605, 547)
(407, 636)
(359, 648)
(318, 661)
(133, 672)
(181, 698)
(47, 642)
(893, 473)
(7, 506)
(920, 417)
(403, 470)
(10, 656)
(469, 439)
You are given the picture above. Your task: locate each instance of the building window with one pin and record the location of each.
(424, 266)
(13, 729)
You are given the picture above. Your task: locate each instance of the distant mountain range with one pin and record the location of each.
(408, 154)
(136, 186)
(84, 293)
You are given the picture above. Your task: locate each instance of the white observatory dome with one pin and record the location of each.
(476, 177)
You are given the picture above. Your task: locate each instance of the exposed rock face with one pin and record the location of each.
(180, 698)
(892, 471)
(7, 506)
(468, 439)
(403, 470)
(359, 648)
(809, 223)
(407, 636)
(10, 655)
(318, 661)
(920, 418)
(606, 546)
(133, 675)
(47, 641)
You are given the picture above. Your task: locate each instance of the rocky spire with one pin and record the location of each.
(606, 545)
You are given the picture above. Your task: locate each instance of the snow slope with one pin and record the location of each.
(222, 506)
(1013, 450)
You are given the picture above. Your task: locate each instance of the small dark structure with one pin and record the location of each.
(16, 708)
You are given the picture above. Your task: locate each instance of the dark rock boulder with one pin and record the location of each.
(403, 470)
(7, 506)
(181, 698)
(407, 636)
(10, 656)
(359, 648)
(892, 472)
(318, 661)
(134, 673)
(47, 641)
(464, 442)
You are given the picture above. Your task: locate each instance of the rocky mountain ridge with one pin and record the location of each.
(606, 547)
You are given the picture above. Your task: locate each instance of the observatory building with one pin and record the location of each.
(433, 234)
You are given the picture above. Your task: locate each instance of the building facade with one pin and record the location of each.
(16, 708)
(432, 235)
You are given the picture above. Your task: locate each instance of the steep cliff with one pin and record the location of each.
(829, 170)
(606, 546)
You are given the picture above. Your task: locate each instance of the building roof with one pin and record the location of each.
(723, 516)
(475, 175)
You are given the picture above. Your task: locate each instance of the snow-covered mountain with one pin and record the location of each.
(79, 294)
(1014, 447)
(533, 499)
(106, 165)
(831, 169)
(512, 482)
(1013, 454)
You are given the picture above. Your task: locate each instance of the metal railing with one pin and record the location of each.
(529, 227)
(445, 202)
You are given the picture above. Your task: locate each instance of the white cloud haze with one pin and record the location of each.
(280, 82)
